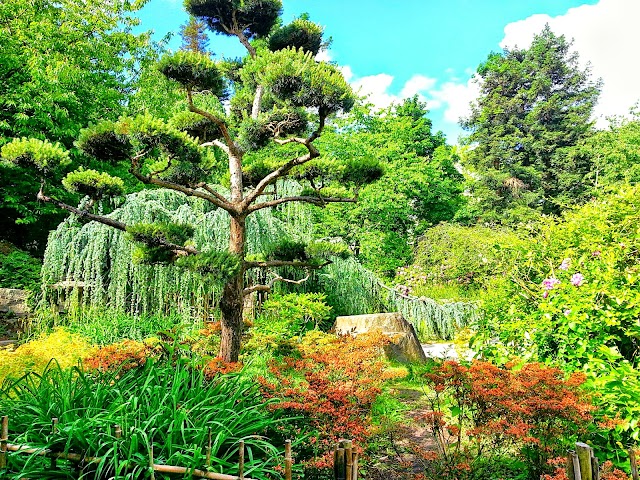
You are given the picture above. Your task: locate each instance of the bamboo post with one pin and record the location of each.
(4, 438)
(595, 468)
(54, 430)
(634, 464)
(585, 453)
(573, 466)
(339, 465)
(117, 431)
(209, 446)
(354, 474)
(348, 454)
(241, 460)
(288, 460)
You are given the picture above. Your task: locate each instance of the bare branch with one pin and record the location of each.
(267, 288)
(286, 263)
(207, 188)
(216, 143)
(318, 201)
(110, 222)
(217, 200)
(280, 172)
(222, 125)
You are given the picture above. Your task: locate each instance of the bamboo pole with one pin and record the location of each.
(348, 453)
(585, 453)
(4, 438)
(577, 474)
(634, 464)
(354, 474)
(595, 468)
(288, 460)
(151, 462)
(209, 446)
(118, 431)
(339, 465)
(241, 460)
(156, 467)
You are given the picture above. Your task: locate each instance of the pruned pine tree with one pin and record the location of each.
(279, 101)
(194, 36)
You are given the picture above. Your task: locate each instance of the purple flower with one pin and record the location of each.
(596, 253)
(577, 279)
(567, 312)
(545, 294)
(550, 283)
(565, 264)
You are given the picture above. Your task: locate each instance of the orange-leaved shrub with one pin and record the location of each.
(124, 355)
(332, 385)
(483, 410)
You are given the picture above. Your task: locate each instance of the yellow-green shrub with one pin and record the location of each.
(65, 347)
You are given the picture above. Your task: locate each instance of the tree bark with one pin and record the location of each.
(231, 302)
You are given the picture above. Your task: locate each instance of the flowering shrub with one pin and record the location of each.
(124, 355)
(573, 300)
(217, 366)
(483, 409)
(66, 348)
(333, 386)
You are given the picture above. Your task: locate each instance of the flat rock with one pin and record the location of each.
(404, 345)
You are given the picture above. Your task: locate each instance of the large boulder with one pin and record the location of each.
(13, 302)
(404, 345)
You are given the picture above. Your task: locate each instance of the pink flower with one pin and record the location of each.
(550, 283)
(545, 294)
(565, 264)
(567, 312)
(577, 279)
(596, 253)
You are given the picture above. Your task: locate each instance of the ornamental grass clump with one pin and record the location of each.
(169, 406)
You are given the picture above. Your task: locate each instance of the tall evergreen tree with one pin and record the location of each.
(194, 36)
(281, 101)
(533, 103)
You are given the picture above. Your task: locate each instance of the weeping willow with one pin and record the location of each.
(96, 260)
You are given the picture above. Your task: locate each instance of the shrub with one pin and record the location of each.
(122, 356)
(484, 410)
(19, 270)
(333, 386)
(67, 349)
(571, 299)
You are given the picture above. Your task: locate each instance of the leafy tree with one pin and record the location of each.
(63, 64)
(280, 105)
(421, 187)
(533, 103)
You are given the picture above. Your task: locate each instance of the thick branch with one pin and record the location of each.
(222, 125)
(286, 263)
(257, 102)
(245, 41)
(207, 188)
(218, 200)
(283, 170)
(267, 288)
(216, 143)
(318, 201)
(278, 173)
(110, 222)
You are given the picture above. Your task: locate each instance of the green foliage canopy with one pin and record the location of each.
(533, 103)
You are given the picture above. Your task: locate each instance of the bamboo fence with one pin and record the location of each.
(345, 465)
(582, 463)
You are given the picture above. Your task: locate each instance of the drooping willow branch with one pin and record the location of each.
(84, 214)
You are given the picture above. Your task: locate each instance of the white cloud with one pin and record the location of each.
(607, 36)
(456, 97)
(377, 88)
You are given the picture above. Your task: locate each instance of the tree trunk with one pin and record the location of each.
(232, 299)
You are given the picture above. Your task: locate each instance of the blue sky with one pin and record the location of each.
(432, 47)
